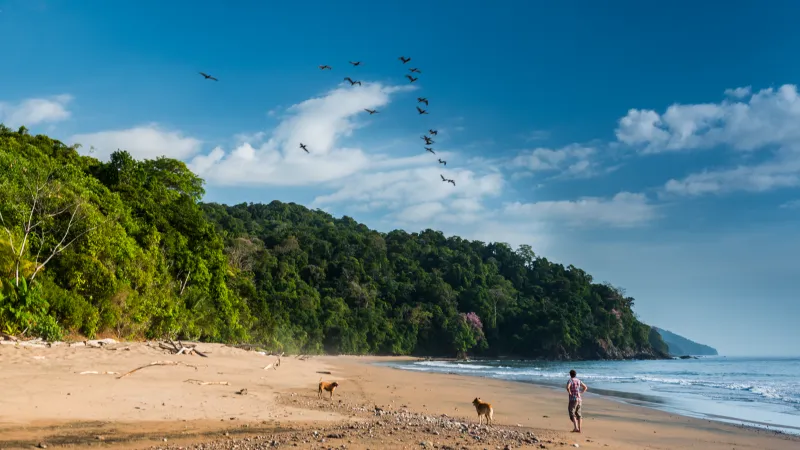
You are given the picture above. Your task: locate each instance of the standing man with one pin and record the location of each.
(575, 388)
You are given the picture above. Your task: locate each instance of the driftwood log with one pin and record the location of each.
(275, 365)
(207, 383)
(157, 363)
(180, 348)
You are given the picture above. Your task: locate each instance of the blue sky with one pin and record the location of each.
(655, 146)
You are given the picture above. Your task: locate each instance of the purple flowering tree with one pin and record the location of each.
(475, 324)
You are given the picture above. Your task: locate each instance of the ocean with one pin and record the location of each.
(759, 392)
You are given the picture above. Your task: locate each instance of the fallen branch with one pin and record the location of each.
(94, 372)
(248, 347)
(157, 363)
(207, 383)
(274, 366)
(180, 348)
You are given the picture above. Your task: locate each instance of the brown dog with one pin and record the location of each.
(327, 386)
(483, 409)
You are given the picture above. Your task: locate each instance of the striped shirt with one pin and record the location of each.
(575, 389)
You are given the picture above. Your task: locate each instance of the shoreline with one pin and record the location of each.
(625, 397)
(54, 403)
(611, 415)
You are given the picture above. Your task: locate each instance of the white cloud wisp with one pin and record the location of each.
(143, 142)
(765, 121)
(624, 210)
(34, 111)
(319, 123)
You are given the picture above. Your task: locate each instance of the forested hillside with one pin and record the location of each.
(126, 247)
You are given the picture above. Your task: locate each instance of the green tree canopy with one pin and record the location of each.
(126, 247)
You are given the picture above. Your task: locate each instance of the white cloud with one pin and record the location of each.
(319, 123)
(536, 135)
(623, 210)
(142, 142)
(416, 194)
(767, 121)
(769, 118)
(774, 174)
(573, 159)
(791, 204)
(34, 111)
(740, 92)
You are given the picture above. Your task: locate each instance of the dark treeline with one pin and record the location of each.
(125, 247)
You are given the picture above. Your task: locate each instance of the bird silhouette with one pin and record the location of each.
(452, 181)
(357, 63)
(422, 100)
(430, 150)
(303, 146)
(370, 111)
(421, 111)
(433, 132)
(442, 162)
(352, 82)
(414, 70)
(428, 141)
(325, 67)
(412, 79)
(207, 76)
(443, 178)
(404, 59)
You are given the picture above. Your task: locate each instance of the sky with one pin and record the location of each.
(656, 146)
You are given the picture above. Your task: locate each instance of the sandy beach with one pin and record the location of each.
(49, 403)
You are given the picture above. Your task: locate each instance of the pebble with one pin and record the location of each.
(378, 423)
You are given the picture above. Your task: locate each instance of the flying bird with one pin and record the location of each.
(352, 82)
(442, 162)
(404, 59)
(207, 76)
(452, 182)
(428, 140)
(357, 63)
(370, 111)
(412, 79)
(414, 70)
(433, 132)
(443, 178)
(325, 67)
(431, 150)
(303, 146)
(422, 100)
(421, 111)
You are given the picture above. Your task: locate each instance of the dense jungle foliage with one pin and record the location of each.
(125, 247)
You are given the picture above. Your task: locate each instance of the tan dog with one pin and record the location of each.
(327, 386)
(483, 409)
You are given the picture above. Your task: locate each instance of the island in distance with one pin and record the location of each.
(680, 346)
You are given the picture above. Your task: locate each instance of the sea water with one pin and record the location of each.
(761, 392)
